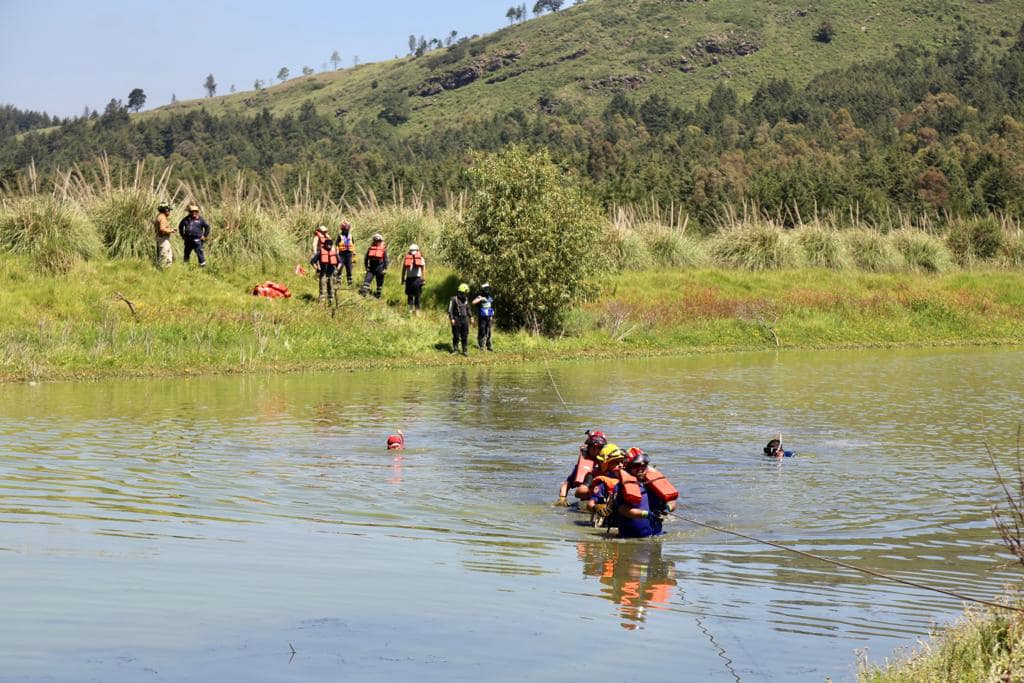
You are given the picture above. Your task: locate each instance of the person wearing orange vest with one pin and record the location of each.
(586, 465)
(325, 261)
(376, 263)
(346, 248)
(609, 460)
(642, 498)
(414, 276)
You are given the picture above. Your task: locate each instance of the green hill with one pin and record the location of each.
(579, 57)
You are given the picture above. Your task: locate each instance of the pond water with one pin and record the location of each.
(203, 529)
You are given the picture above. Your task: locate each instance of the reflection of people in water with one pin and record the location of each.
(634, 576)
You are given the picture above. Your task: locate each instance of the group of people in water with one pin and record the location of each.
(620, 488)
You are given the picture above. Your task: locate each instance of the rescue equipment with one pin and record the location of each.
(271, 290)
(631, 492)
(414, 260)
(661, 486)
(328, 254)
(584, 466)
(377, 250)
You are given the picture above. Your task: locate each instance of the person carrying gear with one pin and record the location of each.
(459, 315)
(346, 248)
(163, 230)
(194, 230)
(609, 461)
(583, 473)
(484, 317)
(642, 498)
(414, 276)
(376, 264)
(325, 261)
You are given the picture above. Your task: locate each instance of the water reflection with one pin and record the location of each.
(634, 576)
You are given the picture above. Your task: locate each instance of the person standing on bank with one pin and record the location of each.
(376, 263)
(459, 314)
(484, 317)
(346, 247)
(414, 276)
(325, 260)
(194, 230)
(163, 230)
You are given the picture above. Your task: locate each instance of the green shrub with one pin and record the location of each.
(674, 248)
(241, 232)
(624, 249)
(976, 238)
(823, 247)
(921, 251)
(871, 251)
(1011, 254)
(531, 232)
(756, 246)
(124, 219)
(55, 234)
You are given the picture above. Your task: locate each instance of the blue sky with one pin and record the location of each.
(60, 56)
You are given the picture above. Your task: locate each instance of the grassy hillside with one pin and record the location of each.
(582, 55)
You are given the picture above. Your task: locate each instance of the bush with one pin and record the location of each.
(528, 231)
(674, 248)
(624, 249)
(242, 233)
(756, 246)
(823, 247)
(922, 251)
(975, 238)
(1011, 254)
(871, 251)
(825, 33)
(124, 219)
(55, 234)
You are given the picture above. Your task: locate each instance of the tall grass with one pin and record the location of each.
(872, 251)
(756, 245)
(922, 252)
(408, 220)
(242, 232)
(56, 234)
(823, 247)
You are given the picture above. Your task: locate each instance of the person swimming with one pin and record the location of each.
(396, 442)
(774, 450)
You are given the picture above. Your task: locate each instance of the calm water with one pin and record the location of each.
(198, 530)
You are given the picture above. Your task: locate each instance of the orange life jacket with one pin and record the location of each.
(414, 260)
(328, 256)
(345, 243)
(631, 492)
(377, 250)
(321, 237)
(662, 487)
(608, 480)
(584, 466)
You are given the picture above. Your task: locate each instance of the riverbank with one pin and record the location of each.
(189, 321)
(983, 646)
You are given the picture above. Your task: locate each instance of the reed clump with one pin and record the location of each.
(55, 233)
(871, 251)
(823, 247)
(921, 251)
(756, 245)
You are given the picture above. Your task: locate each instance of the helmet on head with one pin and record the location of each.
(636, 458)
(485, 286)
(163, 206)
(344, 225)
(377, 237)
(193, 207)
(596, 439)
(464, 288)
(413, 247)
(609, 456)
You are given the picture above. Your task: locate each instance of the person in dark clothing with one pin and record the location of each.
(325, 260)
(414, 276)
(194, 230)
(643, 518)
(346, 248)
(484, 317)
(376, 264)
(459, 314)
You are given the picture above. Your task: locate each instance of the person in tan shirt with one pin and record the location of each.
(163, 230)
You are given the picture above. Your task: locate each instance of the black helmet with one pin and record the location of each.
(596, 439)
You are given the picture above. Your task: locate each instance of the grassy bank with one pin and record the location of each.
(186, 320)
(983, 646)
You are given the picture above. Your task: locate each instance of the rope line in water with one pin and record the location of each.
(557, 392)
(854, 567)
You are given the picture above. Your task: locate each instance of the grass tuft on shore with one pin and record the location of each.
(54, 233)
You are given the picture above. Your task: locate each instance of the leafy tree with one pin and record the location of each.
(136, 99)
(412, 43)
(335, 59)
(306, 70)
(211, 86)
(232, 88)
(396, 109)
(257, 84)
(528, 232)
(512, 14)
(451, 38)
(282, 75)
(174, 98)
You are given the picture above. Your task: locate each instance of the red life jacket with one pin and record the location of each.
(377, 250)
(328, 256)
(321, 237)
(414, 260)
(584, 466)
(345, 243)
(662, 487)
(631, 492)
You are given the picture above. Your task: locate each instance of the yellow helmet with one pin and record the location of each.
(610, 455)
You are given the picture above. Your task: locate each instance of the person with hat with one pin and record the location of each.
(162, 227)
(325, 261)
(376, 263)
(642, 498)
(396, 442)
(459, 315)
(582, 474)
(609, 460)
(414, 276)
(774, 449)
(484, 317)
(194, 230)
(346, 248)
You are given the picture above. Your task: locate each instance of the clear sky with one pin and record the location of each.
(60, 56)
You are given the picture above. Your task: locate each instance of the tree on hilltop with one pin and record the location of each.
(335, 59)
(282, 75)
(307, 70)
(211, 86)
(136, 99)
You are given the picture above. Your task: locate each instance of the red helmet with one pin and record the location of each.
(636, 458)
(596, 439)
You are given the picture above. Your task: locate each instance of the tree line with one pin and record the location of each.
(938, 131)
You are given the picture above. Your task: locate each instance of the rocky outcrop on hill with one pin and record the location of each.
(464, 75)
(714, 48)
